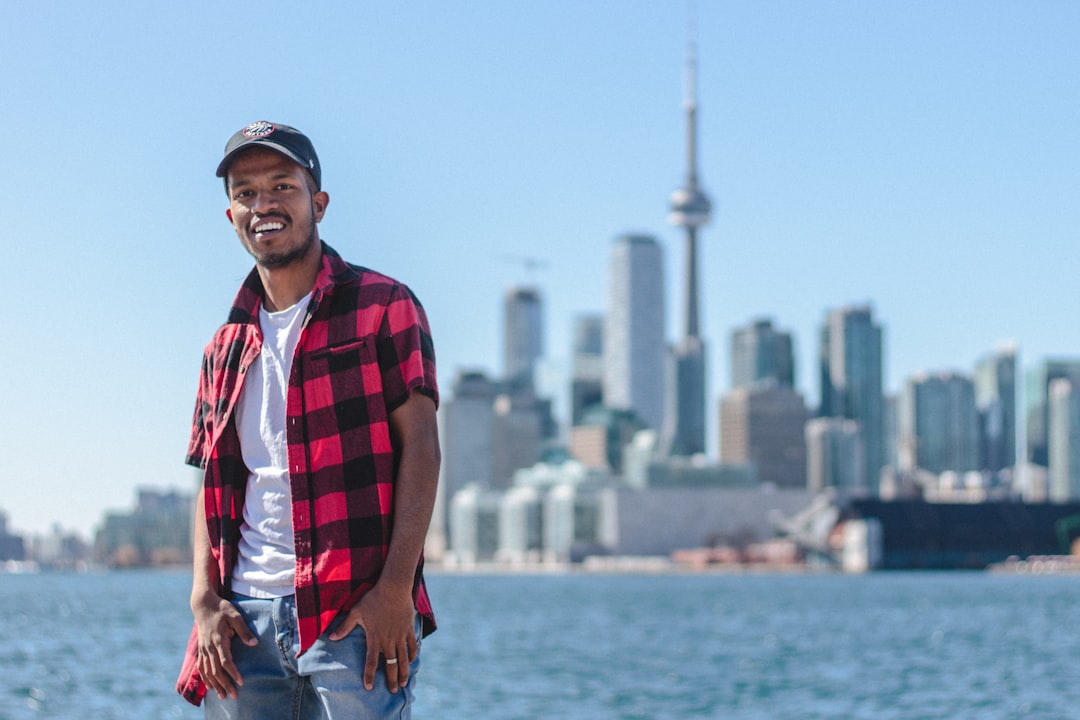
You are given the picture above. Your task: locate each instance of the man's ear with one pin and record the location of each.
(319, 201)
(228, 214)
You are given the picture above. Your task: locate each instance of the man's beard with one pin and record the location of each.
(276, 261)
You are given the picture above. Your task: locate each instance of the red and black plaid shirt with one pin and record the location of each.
(364, 348)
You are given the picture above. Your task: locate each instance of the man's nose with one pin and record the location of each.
(263, 202)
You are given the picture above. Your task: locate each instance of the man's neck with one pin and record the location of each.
(284, 287)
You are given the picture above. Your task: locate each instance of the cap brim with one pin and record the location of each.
(223, 166)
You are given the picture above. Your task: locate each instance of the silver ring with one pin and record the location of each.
(391, 661)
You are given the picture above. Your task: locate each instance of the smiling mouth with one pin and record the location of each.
(267, 227)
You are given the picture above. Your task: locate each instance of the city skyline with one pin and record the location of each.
(917, 158)
(479, 391)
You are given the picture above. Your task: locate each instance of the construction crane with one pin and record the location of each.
(530, 263)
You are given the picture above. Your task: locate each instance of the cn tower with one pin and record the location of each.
(690, 209)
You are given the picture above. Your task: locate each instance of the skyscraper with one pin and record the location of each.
(517, 435)
(761, 352)
(763, 424)
(940, 425)
(851, 382)
(466, 421)
(1063, 441)
(523, 335)
(834, 456)
(634, 339)
(1036, 400)
(690, 209)
(587, 381)
(995, 398)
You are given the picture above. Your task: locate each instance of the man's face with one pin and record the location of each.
(273, 208)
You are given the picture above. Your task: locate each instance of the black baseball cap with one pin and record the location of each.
(286, 140)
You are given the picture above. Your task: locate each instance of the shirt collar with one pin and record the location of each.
(334, 271)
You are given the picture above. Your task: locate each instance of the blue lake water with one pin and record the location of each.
(903, 645)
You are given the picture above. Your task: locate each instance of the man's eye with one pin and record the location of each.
(242, 194)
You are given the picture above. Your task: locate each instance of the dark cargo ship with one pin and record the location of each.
(920, 535)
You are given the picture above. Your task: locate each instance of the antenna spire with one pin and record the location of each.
(690, 206)
(690, 106)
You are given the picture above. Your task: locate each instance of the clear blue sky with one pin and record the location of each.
(920, 156)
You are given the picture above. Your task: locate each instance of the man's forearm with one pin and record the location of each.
(205, 577)
(414, 501)
(415, 487)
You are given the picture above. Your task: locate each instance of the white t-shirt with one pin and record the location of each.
(266, 567)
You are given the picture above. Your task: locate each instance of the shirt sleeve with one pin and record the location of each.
(405, 351)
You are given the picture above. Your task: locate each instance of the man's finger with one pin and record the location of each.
(228, 674)
(371, 664)
(209, 670)
(220, 688)
(239, 626)
(394, 670)
(347, 625)
(402, 665)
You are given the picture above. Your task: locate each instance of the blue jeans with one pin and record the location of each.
(326, 682)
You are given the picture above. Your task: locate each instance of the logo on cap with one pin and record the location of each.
(258, 129)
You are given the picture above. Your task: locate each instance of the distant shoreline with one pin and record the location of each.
(625, 566)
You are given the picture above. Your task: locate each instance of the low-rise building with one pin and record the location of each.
(156, 533)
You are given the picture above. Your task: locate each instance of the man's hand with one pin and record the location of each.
(218, 622)
(387, 616)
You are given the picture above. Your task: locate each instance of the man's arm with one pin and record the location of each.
(387, 612)
(215, 617)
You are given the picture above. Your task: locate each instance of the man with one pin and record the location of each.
(315, 428)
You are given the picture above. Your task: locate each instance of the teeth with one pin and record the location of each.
(269, 227)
